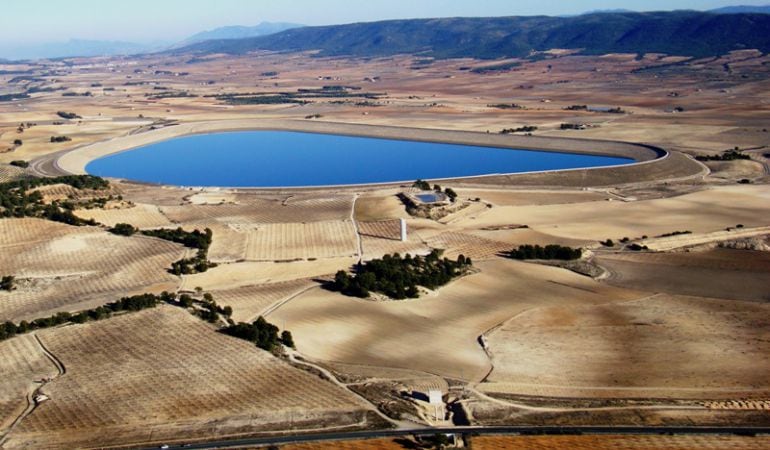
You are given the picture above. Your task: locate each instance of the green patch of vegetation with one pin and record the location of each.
(608, 243)
(572, 126)
(674, 233)
(261, 332)
(576, 108)
(524, 129)
(422, 185)
(173, 94)
(7, 283)
(123, 229)
(506, 106)
(729, 155)
(17, 201)
(399, 277)
(200, 240)
(503, 67)
(68, 115)
(20, 163)
(548, 252)
(12, 97)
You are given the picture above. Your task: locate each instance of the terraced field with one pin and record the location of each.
(64, 268)
(161, 375)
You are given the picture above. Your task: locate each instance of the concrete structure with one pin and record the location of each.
(403, 230)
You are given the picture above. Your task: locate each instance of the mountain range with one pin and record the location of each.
(687, 33)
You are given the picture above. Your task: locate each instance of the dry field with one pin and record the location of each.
(227, 276)
(705, 211)
(163, 375)
(718, 273)
(22, 365)
(142, 216)
(248, 302)
(659, 346)
(65, 268)
(437, 333)
(609, 442)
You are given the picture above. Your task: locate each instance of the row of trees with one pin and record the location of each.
(399, 277)
(547, 252)
(262, 333)
(134, 303)
(730, 155)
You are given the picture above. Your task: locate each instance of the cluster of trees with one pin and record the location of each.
(200, 240)
(503, 67)
(524, 129)
(68, 115)
(209, 311)
(730, 155)
(399, 277)
(134, 303)
(58, 139)
(20, 163)
(576, 108)
(123, 229)
(17, 201)
(7, 283)
(547, 252)
(572, 126)
(262, 333)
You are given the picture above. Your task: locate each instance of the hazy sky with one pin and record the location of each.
(33, 21)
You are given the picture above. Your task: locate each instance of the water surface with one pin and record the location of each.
(293, 159)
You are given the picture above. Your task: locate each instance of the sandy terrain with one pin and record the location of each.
(163, 375)
(436, 334)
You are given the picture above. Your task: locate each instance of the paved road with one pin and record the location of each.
(550, 430)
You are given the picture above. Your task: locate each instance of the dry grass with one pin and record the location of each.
(161, 375)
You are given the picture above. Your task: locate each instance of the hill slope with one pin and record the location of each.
(240, 32)
(688, 33)
(742, 10)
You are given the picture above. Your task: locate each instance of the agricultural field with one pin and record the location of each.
(632, 349)
(439, 332)
(64, 268)
(162, 375)
(609, 442)
(248, 302)
(142, 216)
(23, 365)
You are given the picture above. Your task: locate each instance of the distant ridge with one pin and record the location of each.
(240, 32)
(742, 10)
(688, 33)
